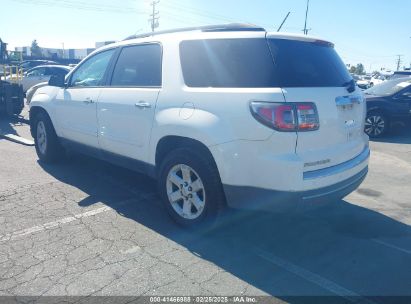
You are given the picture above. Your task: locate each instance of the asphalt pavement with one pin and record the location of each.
(84, 227)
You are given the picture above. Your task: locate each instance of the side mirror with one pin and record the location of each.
(57, 81)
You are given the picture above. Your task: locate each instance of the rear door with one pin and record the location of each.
(126, 107)
(311, 71)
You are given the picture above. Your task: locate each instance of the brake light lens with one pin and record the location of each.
(307, 117)
(286, 117)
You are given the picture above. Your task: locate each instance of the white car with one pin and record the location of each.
(42, 73)
(219, 115)
(30, 92)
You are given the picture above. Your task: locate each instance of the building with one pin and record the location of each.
(72, 54)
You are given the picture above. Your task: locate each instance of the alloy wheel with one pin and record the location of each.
(374, 125)
(41, 137)
(185, 191)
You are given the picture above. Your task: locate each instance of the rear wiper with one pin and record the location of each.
(350, 85)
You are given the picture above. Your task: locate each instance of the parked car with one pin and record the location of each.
(29, 64)
(401, 74)
(42, 73)
(207, 113)
(377, 79)
(30, 92)
(364, 82)
(387, 104)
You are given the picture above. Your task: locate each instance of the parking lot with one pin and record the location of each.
(84, 227)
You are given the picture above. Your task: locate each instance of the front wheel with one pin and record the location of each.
(190, 187)
(376, 124)
(47, 144)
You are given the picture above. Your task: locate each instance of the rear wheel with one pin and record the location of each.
(376, 124)
(190, 188)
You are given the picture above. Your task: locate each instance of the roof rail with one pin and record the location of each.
(231, 27)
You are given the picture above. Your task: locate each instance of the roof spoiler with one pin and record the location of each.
(231, 27)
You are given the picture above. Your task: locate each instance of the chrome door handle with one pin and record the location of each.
(88, 100)
(142, 105)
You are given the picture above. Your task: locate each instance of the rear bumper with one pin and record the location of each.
(243, 197)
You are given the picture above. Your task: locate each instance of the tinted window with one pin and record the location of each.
(308, 64)
(138, 66)
(91, 72)
(36, 72)
(59, 71)
(253, 63)
(227, 63)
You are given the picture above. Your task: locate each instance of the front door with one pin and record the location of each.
(125, 108)
(76, 105)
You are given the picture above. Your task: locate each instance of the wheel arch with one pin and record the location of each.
(381, 110)
(34, 111)
(172, 142)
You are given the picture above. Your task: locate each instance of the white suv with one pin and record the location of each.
(220, 115)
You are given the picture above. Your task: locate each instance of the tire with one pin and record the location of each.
(200, 190)
(376, 124)
(46, 141)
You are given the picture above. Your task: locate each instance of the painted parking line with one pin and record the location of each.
(314, 278)
(17, 139)
(391, 246)
(57, 223)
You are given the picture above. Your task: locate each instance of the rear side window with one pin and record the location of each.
(138, 66)
(258, 63)
(308, 64)
(234, 63)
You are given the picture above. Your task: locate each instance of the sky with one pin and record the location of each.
(371, 32)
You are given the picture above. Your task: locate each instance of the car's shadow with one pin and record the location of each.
(8, 124)
(339, 249)
(397, 135)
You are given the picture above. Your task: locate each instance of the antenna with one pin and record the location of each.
(306, 16)
(285, 19)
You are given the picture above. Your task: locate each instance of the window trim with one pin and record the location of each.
(114, 63)
(105, 76)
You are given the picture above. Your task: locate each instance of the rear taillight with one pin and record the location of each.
(307, 117)
(286, 116)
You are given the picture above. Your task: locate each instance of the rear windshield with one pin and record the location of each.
(254, 63)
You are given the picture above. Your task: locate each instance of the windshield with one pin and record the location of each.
(389, 88)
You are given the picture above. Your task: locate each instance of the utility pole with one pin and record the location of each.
(155, 16)
(399, 62)
(306, 16)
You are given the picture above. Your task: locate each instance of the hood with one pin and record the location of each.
(374, 97)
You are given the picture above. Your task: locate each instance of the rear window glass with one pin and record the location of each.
(257, 63)
(138, 66)
(245, 63)
(308, 64)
